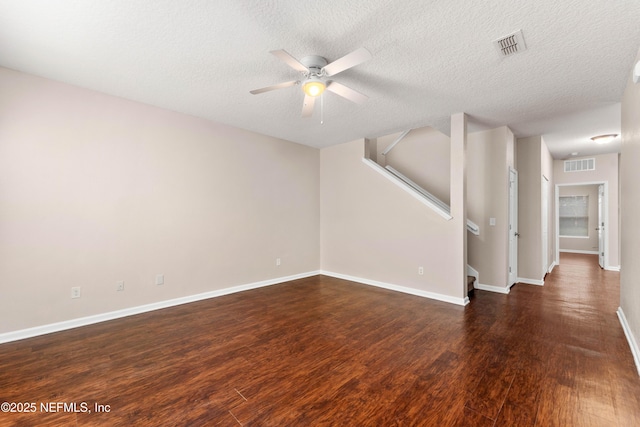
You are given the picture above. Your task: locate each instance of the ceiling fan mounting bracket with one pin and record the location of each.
(313, 61)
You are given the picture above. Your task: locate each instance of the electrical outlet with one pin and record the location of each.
(159, 279)
(277, 261)
(421, 271)
(75, 292)
(120, 286)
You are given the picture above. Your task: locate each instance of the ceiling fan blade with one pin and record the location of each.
(274, 87)
(307, 106)
(292, 62)
(352, 59)
(347, 92)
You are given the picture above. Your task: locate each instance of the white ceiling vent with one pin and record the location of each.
(511, 44)
(580, 165)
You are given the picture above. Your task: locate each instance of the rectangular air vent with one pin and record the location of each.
(580, 165)
(510, 44)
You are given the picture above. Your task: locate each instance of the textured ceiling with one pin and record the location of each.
(430, 59)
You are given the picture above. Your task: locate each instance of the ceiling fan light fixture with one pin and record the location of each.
(313, 86)
(603, 139)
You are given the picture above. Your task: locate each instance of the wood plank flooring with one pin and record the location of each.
(326, 352)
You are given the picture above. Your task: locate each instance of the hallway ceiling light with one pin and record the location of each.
(603, 139)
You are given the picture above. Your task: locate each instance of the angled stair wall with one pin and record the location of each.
(373, 233)
(420, 158)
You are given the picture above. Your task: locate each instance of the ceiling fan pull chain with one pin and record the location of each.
(321, 109)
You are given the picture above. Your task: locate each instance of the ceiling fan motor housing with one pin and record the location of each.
(315, 64)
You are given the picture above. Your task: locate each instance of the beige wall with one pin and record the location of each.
(458, 194)
(589, 244)
(489, 156)
(630, 207)
(606, 171)
(95, 189)
(533, 162)
(529, 166)
(423, 156)
(548, 173)
(372, 230)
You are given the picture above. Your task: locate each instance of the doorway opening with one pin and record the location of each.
(582, 220)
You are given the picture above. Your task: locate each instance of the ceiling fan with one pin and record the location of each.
(315, 72)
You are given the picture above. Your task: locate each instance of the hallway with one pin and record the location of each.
(573, 363)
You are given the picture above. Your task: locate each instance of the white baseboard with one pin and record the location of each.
(530, 281)
(473, 272)
(103, 317)
(630, 338)
(577, 251)
(490, 288)
(551, 267)
(612, 268)
(403, 289)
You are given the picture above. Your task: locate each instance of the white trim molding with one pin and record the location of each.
(471, 226)
(530, 281)
(397, 288)
(473, 272)
(103, 317)
(612, 268)
(420, 193)
(406, 187)
(633, 344)
(394, 143)
(551, 267)
(577, 251)
(491, 288)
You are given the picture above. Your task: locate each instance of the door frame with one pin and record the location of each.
(605, 219)
(512, 239)
(545, 210)
(602, 231)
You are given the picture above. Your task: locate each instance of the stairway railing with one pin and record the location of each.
(418, 192)
(471, 226)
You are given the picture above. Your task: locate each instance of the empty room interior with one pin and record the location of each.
(347, 213)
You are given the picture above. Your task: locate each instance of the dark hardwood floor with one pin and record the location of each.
(326, 352)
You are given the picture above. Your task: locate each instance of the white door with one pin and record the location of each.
(513, 226)
(600, 227)
(545, 226)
